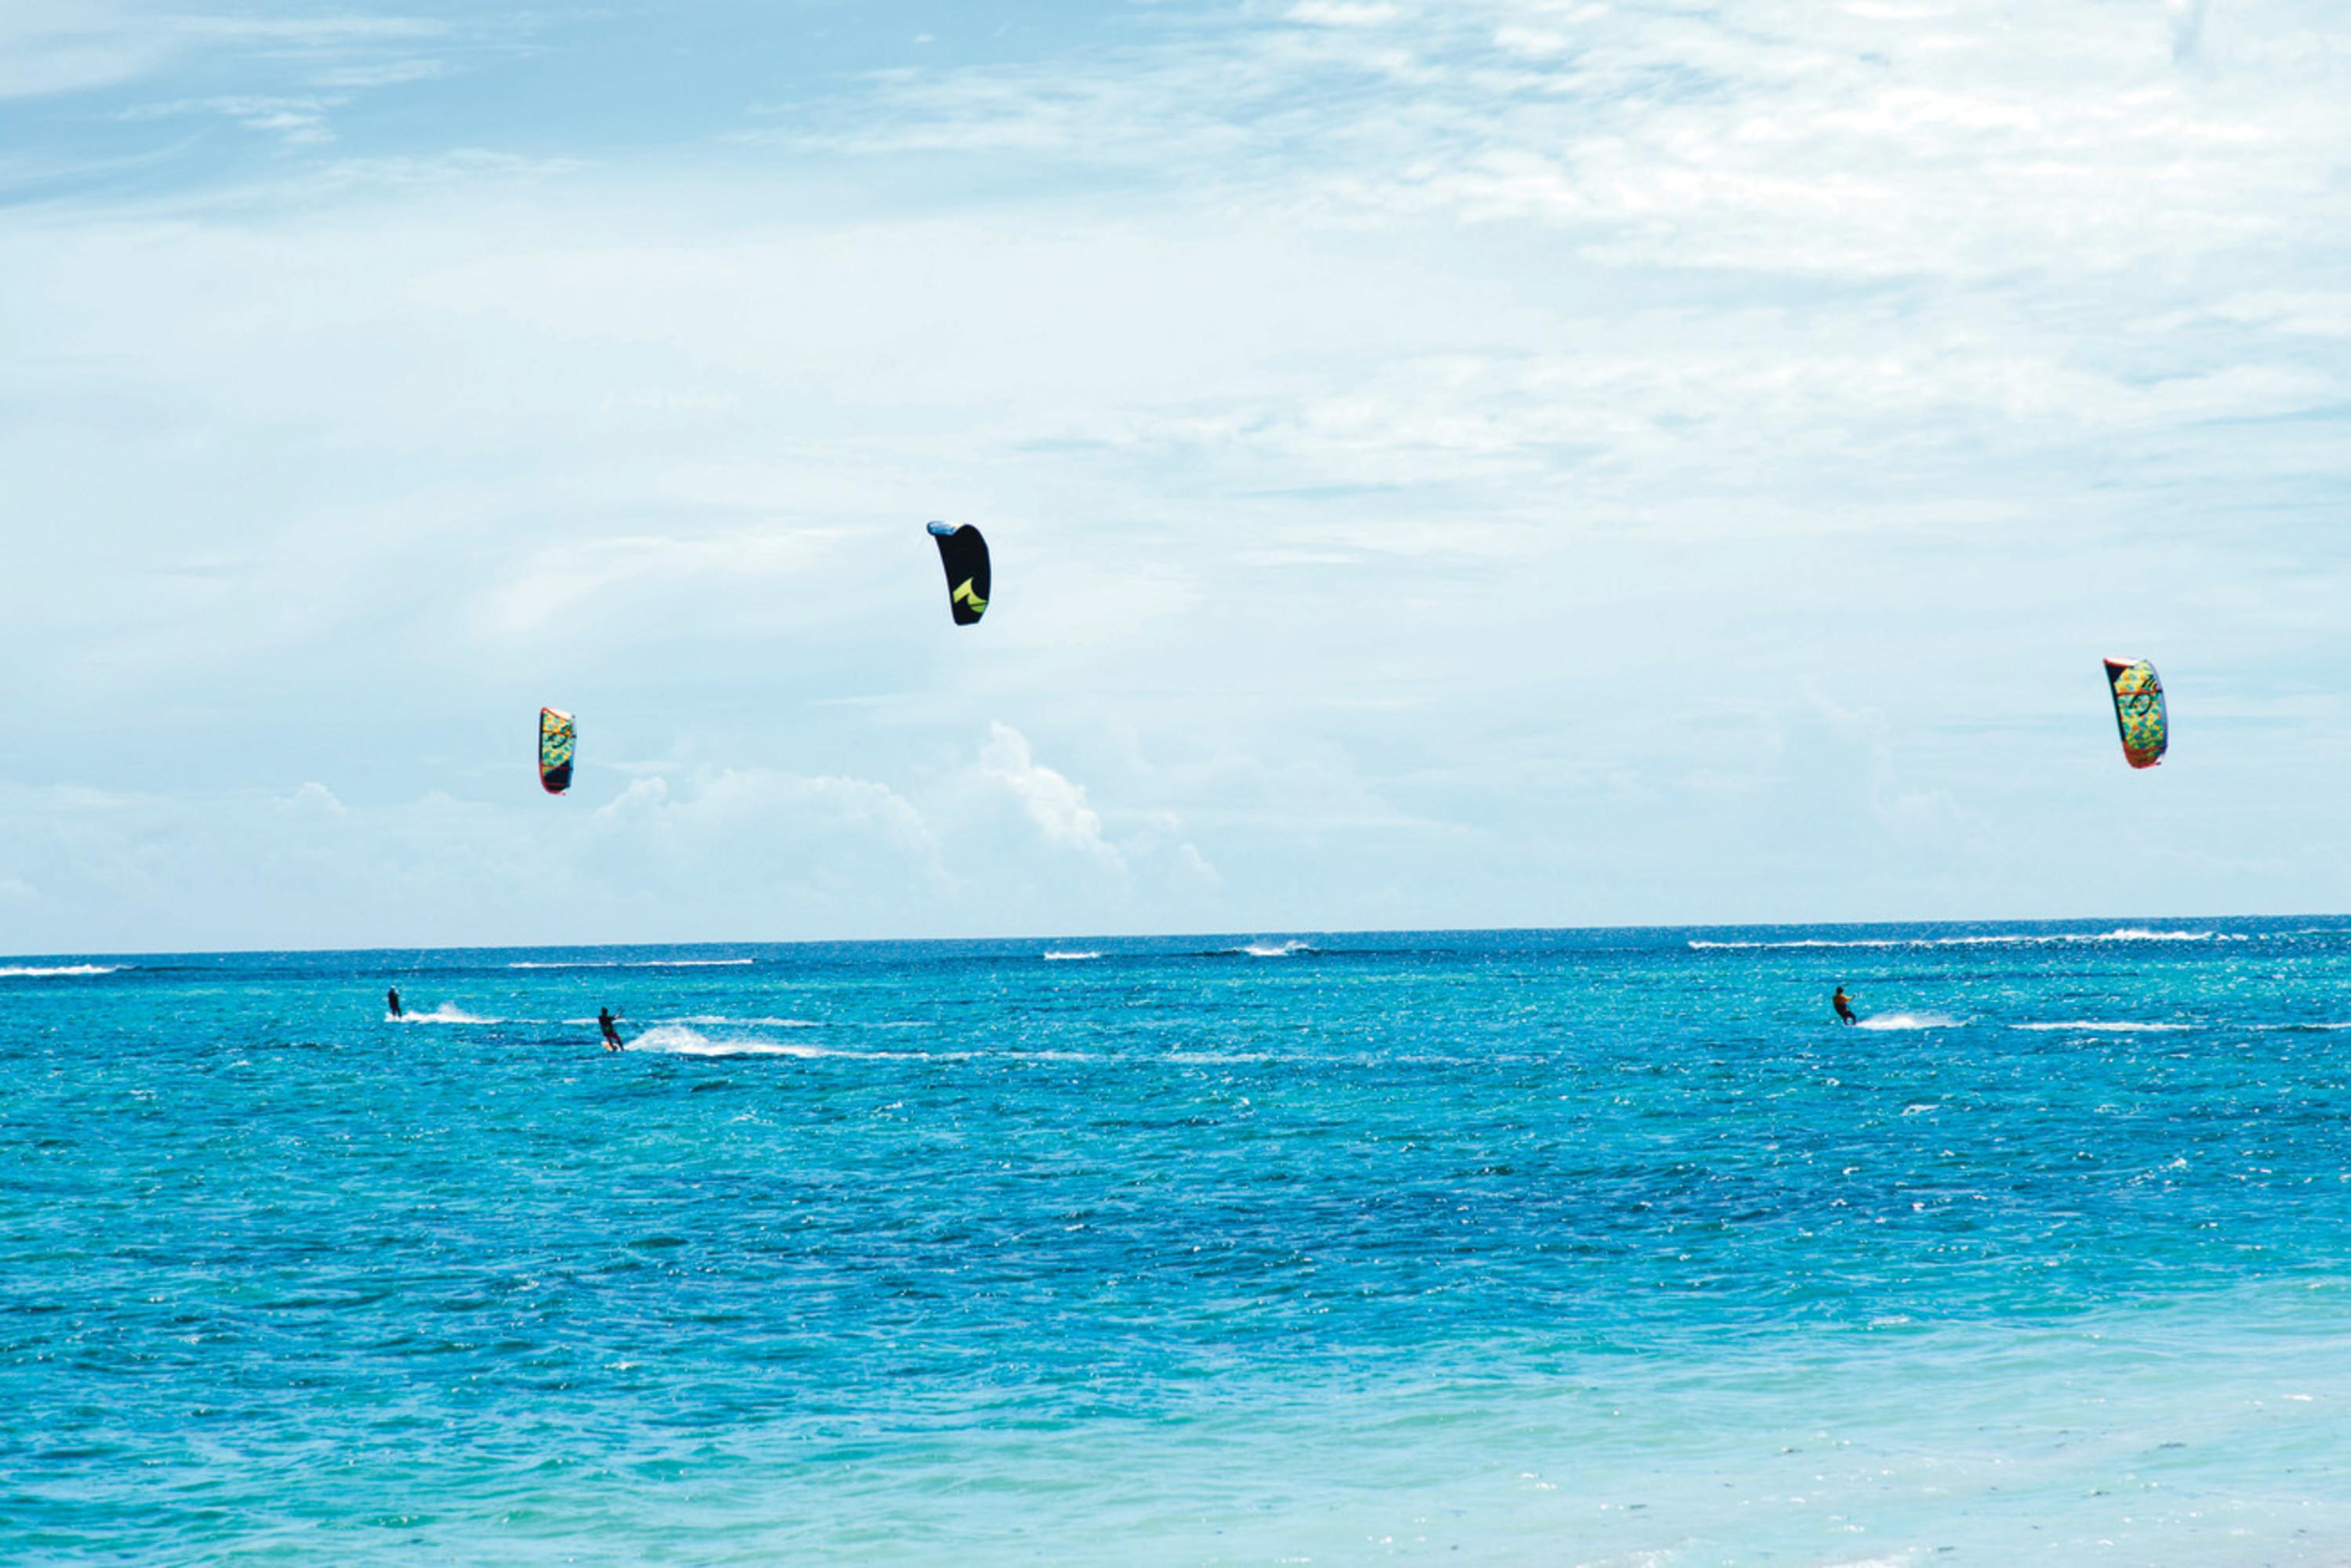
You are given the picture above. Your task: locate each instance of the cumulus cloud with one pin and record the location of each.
(1056, 805)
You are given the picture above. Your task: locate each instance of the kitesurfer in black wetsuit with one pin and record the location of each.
(1844, 1005)
(611, 1035)
(392, 1001)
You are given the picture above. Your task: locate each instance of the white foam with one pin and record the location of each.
(36, 971)
(1997, 939)
(677, 1040)
(444, 1013)
(1054, 956)
(1272, 950)
(1912, 1020)
(2137, 934)
(2107, 1026)
(629, 963)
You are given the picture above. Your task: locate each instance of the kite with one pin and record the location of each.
(965, 555)
(556, 742)
(2139, 711)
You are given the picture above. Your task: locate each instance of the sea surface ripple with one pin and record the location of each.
(1595, 1247)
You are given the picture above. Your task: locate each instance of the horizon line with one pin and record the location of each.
(1258, 932)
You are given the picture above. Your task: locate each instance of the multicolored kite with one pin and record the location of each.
(2139, 711)
(556, 740)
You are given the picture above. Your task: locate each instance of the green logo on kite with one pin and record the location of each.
(964, 595)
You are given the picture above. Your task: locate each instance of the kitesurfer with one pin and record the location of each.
(392, 1001)
(1844, 1005)
(605, 1022)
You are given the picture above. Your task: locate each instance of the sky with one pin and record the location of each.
(1455, 464)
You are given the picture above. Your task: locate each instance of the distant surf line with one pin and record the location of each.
(40, 971)
(629, 963)
(1998, 939)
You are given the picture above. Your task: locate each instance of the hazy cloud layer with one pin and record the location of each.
(1464, 463)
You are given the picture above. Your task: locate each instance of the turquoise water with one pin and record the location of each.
(1498, 1248)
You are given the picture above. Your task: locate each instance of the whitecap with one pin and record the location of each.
(1055, 956)
(1989, 939)
(36, 972)
(2105, 1026)
(678, 1040)
(630, 962)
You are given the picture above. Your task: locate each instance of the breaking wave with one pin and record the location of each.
(629, 963)
(2004, 939)
(1265, 949)
(37, 971)
(1055, 956)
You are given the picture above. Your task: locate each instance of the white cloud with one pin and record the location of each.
(1345, 13)
(313, 800)
(1845, 141)
(590, 581)
(56, 46)
(1057, 806)
(298, 119)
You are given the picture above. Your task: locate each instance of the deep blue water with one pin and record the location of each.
(1603, 1247)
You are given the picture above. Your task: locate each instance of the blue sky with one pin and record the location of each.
(1497, 462)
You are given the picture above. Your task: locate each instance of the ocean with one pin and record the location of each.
(1496, 1248)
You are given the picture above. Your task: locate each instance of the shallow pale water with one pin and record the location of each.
(1499, 1248)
